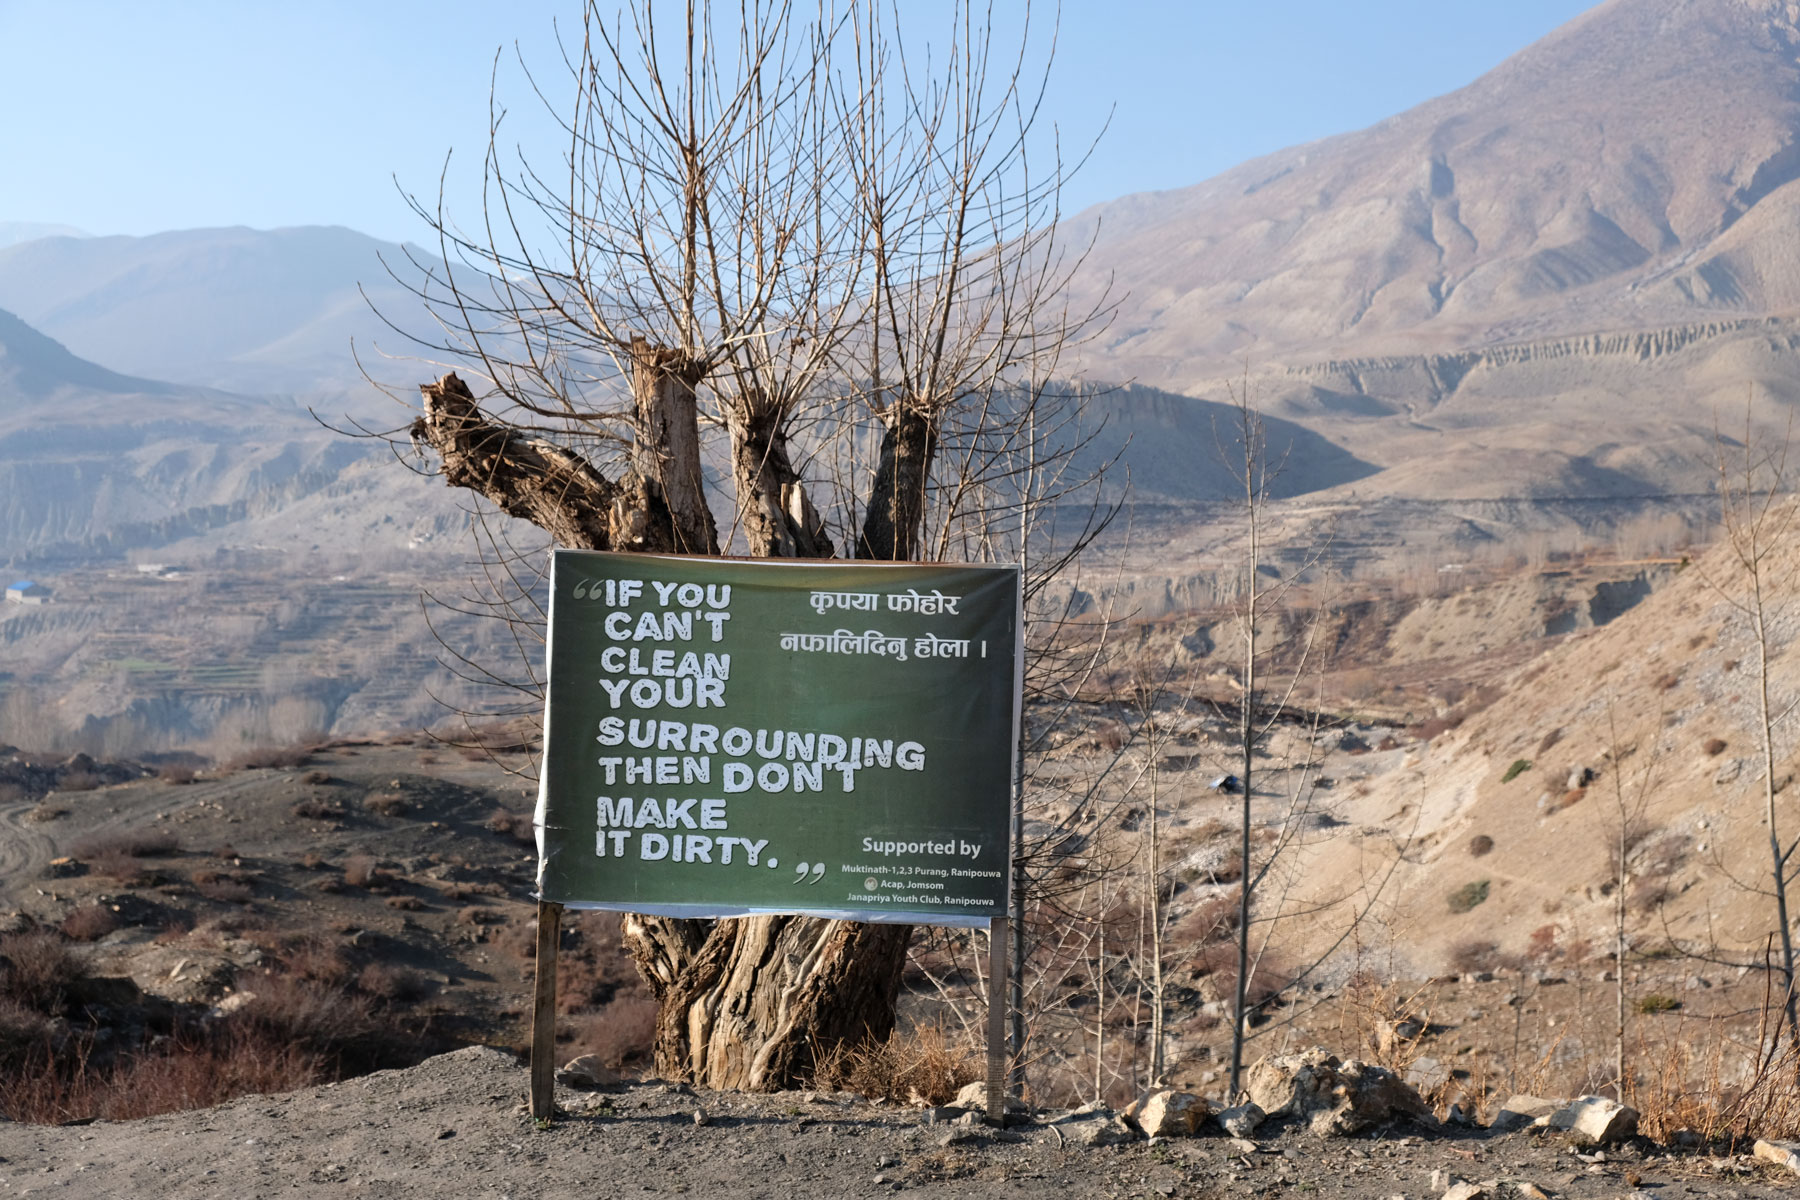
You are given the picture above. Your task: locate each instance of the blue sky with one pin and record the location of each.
(135, 117)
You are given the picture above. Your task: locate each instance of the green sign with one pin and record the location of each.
(726, 737)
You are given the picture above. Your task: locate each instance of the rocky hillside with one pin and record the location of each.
(1632, 170)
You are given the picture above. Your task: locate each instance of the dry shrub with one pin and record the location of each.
(1468, 896)
(390, 983)
(47, 812)
(406, 903)
(1269, 976)
(1480, 844)
(315, 777)
(1432, 727)
(1213, 918)
(36, 969)
(364, 871)
(121, 868)
(149, 843)
(269, 757)
(1541, 946)
(77, 780)
(316, 960)
(1550, 739)
(177, 774)
(1476, 955)
(517, 826)
(473, 915)
(312, 861)
(1648, 895)
(314, 809)
(921, 1066)
(186, 1073)
(1714, 746)
(388, 804)
(621, 1033)
(89, 923)
(327, 1021)
(227, 887)
(1667, 681)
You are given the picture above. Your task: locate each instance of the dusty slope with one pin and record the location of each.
(454, 1126)
(1649, 692)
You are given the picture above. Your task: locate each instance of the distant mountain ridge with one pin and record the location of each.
(260, 311)
(1636, 167)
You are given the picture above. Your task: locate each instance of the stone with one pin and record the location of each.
(587, 1074)
(1687, 1139)
(1168, 1113)
(960, 1137)
(1782, 1154)
(1095, 1127)
(1521, 1111)
(1596, 1119)
(1241, 1120)
(1524, 1189)
(941, 1114)
(1335, 1097)
(1462, 1189)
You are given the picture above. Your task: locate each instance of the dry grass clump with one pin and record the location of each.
(391, 983)
(77, 780)
(89, 923)
(406, 903)
(1714, 746)
(388, 804)
(150, 843)
(1480, 844)
(36, 970)
(921, 1066)
(47, 812)
(315, 809)
(271, 757)
(1468, 896)
(365, 871)
(227, 887)
(517, 826)
(177, 774)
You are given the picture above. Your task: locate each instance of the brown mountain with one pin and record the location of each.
(1634, 170)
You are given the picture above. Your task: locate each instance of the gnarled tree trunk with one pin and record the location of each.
(665, 456)
(777, 518)
(752, 1003)
(896, 509)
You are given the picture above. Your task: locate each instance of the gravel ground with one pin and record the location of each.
(456, 1126)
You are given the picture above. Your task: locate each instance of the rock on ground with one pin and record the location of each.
(1336, 1098)
(1597, 1119)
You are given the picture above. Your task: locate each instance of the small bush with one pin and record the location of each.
(266, 758)
(1667, 681)
(1518, 768)
(77, 780)
(315, 809)
(1656, 1002)
(388, 805)
(36, 969)
(1475, 955)
(89, 923)
(479, 916)
(406, 903)
(363, 871)
(391, 983)
(150, 843)
(919, 1067)
(517, 826)
(1714, 746)
(1480, 844)
(177, 774)
(1468, 896)
(47, 812)
(227, 887)
(315, 777)
(1550, 739)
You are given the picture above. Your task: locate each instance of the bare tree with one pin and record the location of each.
(1756, 517)
(772, 237)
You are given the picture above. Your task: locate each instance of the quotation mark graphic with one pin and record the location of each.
(816, 870)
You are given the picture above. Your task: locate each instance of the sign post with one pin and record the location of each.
(727, 737)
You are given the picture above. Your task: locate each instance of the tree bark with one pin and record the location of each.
(896, 512)
(665, 456)
(558, 491)
(776, 516)
(752, 1003)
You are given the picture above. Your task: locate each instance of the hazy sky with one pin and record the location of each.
(135, 117)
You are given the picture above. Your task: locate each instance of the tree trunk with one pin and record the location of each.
(665, 458)
(896, 511)
(755, 1002)
(558, 491)
(777, 518)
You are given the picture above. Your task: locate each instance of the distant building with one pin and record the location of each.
(27, 592)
